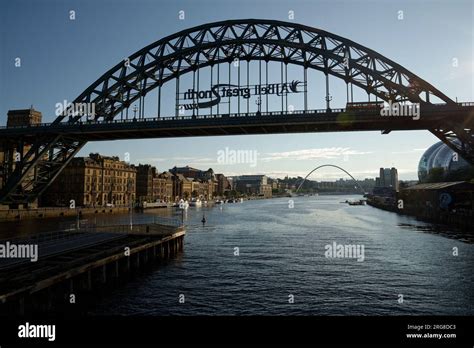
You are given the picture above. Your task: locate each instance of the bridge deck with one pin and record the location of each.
(247, 123)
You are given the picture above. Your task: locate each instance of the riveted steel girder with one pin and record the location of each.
(208, 45)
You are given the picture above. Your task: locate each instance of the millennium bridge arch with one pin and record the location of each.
(211, 45)
(332, 166)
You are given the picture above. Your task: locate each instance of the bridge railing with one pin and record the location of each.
(43, 237)
(73, 230)
(141, 229)
(209, 116)
(127, 221)
(181, 117)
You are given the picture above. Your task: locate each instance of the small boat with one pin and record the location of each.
(151, 205)
(195, 203)
(219, 201)
(359, 202)
(182, 204)
(203, 219)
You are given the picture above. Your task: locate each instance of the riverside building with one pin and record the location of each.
(93, 181)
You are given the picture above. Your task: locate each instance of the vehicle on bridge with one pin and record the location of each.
(364, 106)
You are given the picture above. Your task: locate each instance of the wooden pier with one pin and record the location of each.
(68, 281)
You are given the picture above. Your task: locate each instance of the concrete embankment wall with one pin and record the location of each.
(435, 216)
(41, 213)
(69, 283)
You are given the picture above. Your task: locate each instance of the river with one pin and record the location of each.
(268, 257)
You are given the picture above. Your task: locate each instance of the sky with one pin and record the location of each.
(61, 57)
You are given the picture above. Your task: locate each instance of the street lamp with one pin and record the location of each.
(258, 102)
(328, 99)
(135, 109)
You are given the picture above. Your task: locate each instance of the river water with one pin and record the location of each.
(265, 257)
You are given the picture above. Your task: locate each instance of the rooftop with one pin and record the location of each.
(438, 185)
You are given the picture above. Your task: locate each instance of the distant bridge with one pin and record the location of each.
(52, 146)
(332, 166)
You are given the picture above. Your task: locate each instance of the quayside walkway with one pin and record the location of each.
(74, 264)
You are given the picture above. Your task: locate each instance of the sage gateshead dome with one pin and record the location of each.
(439, 155)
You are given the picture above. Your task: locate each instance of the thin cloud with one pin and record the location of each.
(322, 175)
(188, 160)
(311, 154)
(408, 151)
(151, 159)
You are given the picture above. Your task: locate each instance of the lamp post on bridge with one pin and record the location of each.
(328, 96)
(259, 103)
(135, 109)
(328, 100)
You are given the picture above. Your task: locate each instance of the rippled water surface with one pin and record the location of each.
(282, 252)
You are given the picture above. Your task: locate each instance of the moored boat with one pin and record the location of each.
(182, 204)
(195, 203)
(151, 205)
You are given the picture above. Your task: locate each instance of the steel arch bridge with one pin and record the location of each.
(331, 166)
(54, 145)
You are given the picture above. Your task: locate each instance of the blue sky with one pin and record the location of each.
(60, 58)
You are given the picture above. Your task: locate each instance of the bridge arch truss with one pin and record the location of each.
(212, 44)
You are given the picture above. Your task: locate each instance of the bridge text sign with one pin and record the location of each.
(219, 91)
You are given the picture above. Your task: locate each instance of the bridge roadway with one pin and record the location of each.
(431, 117)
